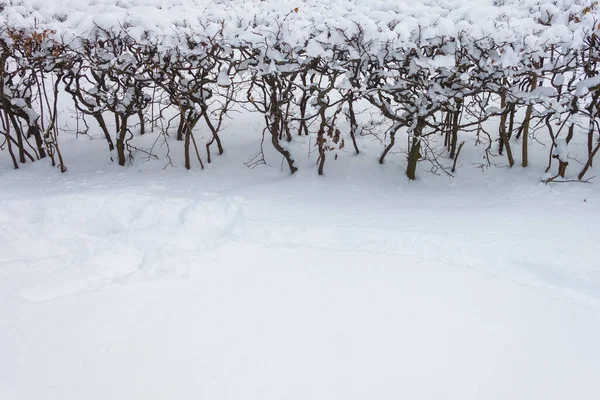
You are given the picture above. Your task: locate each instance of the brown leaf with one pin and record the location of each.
(336, 136)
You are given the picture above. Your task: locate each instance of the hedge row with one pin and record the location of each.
(438, 88)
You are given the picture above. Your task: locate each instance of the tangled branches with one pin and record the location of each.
(452, 87)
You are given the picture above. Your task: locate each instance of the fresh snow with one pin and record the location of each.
(233, 283)
(562, 150)
(523, 23)
(152, 282)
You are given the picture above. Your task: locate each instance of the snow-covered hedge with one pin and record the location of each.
(431, 68)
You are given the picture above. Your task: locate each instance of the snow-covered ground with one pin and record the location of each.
(152, 282)
(232, 283)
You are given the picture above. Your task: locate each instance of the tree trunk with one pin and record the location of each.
(19, 135)
(274, 123)
(353, 124)
(455, 121)
(390, 145)
(526, 125)
(562, 168)
(504, 142)
(34, 130)
(104, 128)
(121, 140)
(414, 153)
(9, 144)
(142, 123)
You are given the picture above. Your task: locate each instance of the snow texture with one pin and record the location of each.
(530, 26)
(233, 283)
(242, 284)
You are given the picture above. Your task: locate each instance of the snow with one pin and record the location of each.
(153, 282)
(223, 78)
(245, 283)
(258, 22)
(562, 150)
(585, 85)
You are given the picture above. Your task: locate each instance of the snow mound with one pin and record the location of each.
(95, 240)
(530, 25)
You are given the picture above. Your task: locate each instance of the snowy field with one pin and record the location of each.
(154, 282)
(232, 283)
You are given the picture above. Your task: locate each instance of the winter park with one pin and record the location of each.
(336, 200)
